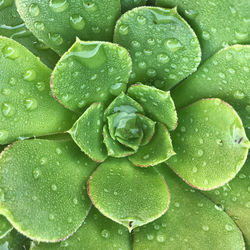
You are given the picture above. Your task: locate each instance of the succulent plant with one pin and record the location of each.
(124, 124)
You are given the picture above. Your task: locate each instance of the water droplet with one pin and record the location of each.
(219, 207)
(160, 238)
(8, 109)
(241, 35)
(194, 169)
(43, 161)
(56, 38)
(105, 233)
(90, 5)
(29, 75)
(75, 201)
(150, 236)
(77, 22)
(183, 129)
(191, 13)
(30, 104)
(141, 20)
(51, 217)
(40, 86)
(123, 30)
(53, 187)
(163, 58)
(10, 52)
(3, 136)
(173, 44)
(117, 88)
(36, 173)
(135, 44)
(34, 9)
(200, 152)
(205, 35)
(151, 72)
(58, 5)
(228, 227)
(39, 26)
(205, 228)
(6, 91)
(239, 95)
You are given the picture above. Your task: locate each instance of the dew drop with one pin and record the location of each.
(29, 75)
(205, 35)
(56, 39)
(228, 227)
(123, 30)
(40, 86)
(163, 58)
(150, 237)
(77, 22)
(200, 152)
(160, 238)
(89, 5)
(117, 88)
(141, 20)
(53, 187)
(105, 233)
(51, 217)
(8, 109)
(34, 9)
(239, 95)
(36, 173)
(241, 35)
(39, 26)
(10, 52)
(205, 228)
(30, 104)
(151, 72)
(58, 5)
(173, 44)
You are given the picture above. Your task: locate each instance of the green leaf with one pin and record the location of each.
(210, 144)
(156, 103)
(191, 222)
(5, 226)
(234, 197)
(58, 23)
(148, 127)
(163, 47)
(87, 133)
(42, 186)
(225, 75)
(14, 241)
(97, 232)
(217, 23)
(158, 150)
(128, 195)
(27, 107)
(12, 26)
(123, 103)
(130, 4)
(91, 72)
(114, 148)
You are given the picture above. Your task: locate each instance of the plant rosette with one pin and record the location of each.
(137, 139)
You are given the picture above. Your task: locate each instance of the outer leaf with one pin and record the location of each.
(123, 103)
(157, 104)
(58, 23)
(217, 23)
(163, 47)
(210, 143)
(158, 150)
(12, 26)
(47, 180)
(225, 75)
(90, 72)
(14, 241)
(235, 199)
(87, 133)
(192, 222)
(97, 232)
(5, 226)
(128, 195)
(114, 148)
(130, 4)
(27, 107)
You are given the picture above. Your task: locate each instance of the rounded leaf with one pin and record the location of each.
(210, 144)
(192, 222)
(12, 26)
(217, 23)
(156, 103)
(90, 72)
(87, 133)
(234, 198)
(128, 195)
(58, 23)
(163, 47)
(225, 75)
(42, 186)
(27, 108)
(97, 232)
